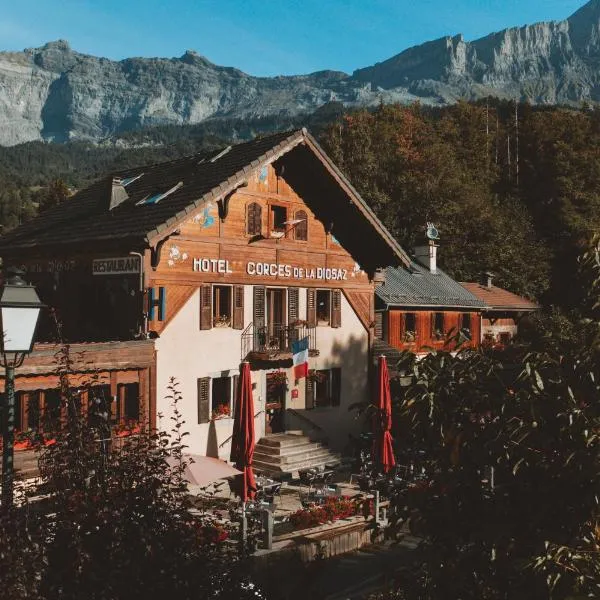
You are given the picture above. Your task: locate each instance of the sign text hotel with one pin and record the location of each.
(263, 269)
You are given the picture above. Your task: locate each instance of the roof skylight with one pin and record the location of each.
(156, 198)
(127, 180)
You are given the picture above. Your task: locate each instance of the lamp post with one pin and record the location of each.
(19, 313)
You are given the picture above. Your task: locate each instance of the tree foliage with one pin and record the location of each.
(117, 521)
(512, 446)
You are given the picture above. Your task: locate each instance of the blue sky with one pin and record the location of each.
(270, 37)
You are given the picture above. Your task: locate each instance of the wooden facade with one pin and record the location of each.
(418, 330)
(280, 248)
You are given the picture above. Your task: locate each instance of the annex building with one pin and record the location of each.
(261, 251)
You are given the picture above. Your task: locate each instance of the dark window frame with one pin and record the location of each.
(409, 336)
(326, 388)
(324, 322)
(438, 333)
(219, 312)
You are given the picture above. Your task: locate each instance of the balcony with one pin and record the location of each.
(274, 342)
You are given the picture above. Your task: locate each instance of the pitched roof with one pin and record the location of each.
(419, 287)
(496, 298)
(206, 176)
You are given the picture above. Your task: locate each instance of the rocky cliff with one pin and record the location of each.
(55, 93)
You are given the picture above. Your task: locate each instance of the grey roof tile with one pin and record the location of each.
(420, 287)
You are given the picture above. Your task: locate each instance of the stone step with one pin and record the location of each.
(288, 450)
(286, 459)
(283, 440)
(326, 458)
(271, 469)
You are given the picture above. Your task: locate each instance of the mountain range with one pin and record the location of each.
(54, 93)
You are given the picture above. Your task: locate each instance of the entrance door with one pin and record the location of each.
(276, 318)
(275, 404)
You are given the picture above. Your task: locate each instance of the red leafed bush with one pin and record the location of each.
(332, 510)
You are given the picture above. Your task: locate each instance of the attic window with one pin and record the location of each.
(127, 180)
(156, 198)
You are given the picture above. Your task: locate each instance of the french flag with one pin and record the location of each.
(300, 358)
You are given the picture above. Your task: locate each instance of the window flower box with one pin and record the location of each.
(222, 321)
(222, 411)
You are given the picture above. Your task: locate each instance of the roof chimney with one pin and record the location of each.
(485, 279)
(118, 194)
(427, 255)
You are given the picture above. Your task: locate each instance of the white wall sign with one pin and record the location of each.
(126, 265)
(263, 269)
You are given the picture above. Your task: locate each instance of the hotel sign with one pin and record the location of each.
(263, 269)
(126, 265)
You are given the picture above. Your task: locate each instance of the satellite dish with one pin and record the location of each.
(432, 232)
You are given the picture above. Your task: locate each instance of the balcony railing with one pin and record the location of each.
(274, 342)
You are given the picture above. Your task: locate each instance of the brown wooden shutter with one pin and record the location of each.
(379, 325)
(205, 306)
(309, 401)
(235, 381)
(259, 306)
(336, 386)
(238, 307)
(301, 229)
(336, 308)
(203, 400)
(311, 307)
(254, 219)
(293, 305)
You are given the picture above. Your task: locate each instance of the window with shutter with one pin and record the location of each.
(254, 219)
(311, 308)
(238, 307)
(379, 325)
(293, 305)
(205, 307)
(301, 229)
(336, 308)
(203, 400)
(259, 306)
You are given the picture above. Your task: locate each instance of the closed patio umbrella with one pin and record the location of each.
(242, 440)
(383, 451)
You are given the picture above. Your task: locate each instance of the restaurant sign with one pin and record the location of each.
(264, 269)
(126, 265)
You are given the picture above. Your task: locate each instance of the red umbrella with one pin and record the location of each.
(383, 452)
(242, 439)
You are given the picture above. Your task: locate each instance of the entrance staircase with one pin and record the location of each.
(289, 452)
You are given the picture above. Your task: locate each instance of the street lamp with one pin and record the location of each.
(19, 313)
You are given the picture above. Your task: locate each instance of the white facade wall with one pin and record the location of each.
(187, 354)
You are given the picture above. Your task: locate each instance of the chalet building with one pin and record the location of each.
(184, 269)
(503, 310)
(419, 306)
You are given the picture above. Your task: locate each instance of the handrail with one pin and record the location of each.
(222, 444)
(293, 411)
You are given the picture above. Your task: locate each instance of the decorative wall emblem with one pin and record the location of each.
(176, 256)
(263, 174)
(356, 270)
(205, 219)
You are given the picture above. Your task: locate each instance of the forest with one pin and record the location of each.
(512, 188)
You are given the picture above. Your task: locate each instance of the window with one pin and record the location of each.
(323, 307)
(323, 387)
(278, 217)
(254, 219)
(301, 228)
(437, 326)
(465, 325)
(504, 337)
(220, 401)
(410, 327)
(221, 306)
